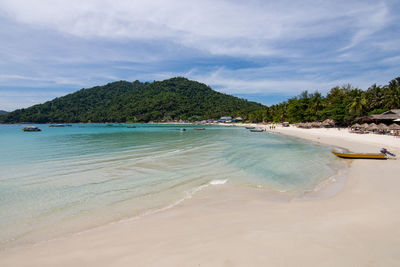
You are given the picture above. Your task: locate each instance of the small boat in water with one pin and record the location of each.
(31, 129)
(60, 125)
(258, 130)
(250, 127)
(131, 126)
(182, 129)
(199, 129)
(360, 155)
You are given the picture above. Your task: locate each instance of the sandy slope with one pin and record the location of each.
(227, 225)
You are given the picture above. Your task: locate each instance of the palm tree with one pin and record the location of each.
(356, 107)
(393, 96)
(316, 104)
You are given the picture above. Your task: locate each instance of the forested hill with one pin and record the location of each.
(172, 99)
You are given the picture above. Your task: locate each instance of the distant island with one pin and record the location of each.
(182, 99)
(3, 112)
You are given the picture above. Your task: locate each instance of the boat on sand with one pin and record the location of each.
(360, 155)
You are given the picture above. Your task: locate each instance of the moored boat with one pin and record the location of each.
(250, 127)
(360, 155)
(31, 129)
(60, 125)
(132, 126)
(258, 130)
(199, 129)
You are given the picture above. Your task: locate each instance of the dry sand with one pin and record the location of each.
(226, 225)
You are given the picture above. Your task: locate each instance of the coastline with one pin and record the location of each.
(228, 225)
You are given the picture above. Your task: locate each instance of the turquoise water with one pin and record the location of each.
(65, 180)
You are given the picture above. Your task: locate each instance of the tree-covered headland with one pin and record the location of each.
(172, 99)
(180, 98)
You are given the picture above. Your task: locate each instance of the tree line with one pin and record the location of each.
(182, 99)
(344, 104)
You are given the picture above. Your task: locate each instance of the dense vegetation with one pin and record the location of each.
(172, 99)
(342, 104)
(179, 98)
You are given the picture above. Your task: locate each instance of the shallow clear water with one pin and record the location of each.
(68, 179)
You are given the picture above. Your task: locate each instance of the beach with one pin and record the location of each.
(233, 225)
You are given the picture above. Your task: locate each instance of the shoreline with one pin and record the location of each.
(236, 226)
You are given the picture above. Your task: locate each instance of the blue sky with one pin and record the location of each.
(265, 51)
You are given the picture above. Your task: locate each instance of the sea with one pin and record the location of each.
(64, 180)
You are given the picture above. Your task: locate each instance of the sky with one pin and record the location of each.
(264, 51)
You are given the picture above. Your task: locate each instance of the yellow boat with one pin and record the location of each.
(360, 155)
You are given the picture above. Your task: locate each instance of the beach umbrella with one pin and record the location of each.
(397, 120)
(364, 125)
(372, 127)
(356, 125)
(316, 124)
(328, 123)
(382, 126)
(394, 126)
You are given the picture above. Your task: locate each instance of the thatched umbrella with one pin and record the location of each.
(364, 125)
(394, 126)
(328, 123)
(382, 126)
(372, 127)
(307, 125)
(299, 125)
(356, 125)
(316, 124)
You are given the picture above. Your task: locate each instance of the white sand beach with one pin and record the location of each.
(227, 225)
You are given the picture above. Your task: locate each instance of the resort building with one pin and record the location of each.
(225, 119)
(387, 117)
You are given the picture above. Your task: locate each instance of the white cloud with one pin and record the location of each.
(251, 46)
(260, 81)
(218, 27)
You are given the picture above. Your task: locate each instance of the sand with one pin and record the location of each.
(229, 225)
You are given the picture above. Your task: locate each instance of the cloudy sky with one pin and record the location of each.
(260, 50)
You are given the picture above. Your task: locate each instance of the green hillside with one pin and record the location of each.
(172, 99)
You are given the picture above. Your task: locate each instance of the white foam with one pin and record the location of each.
(218, 182)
